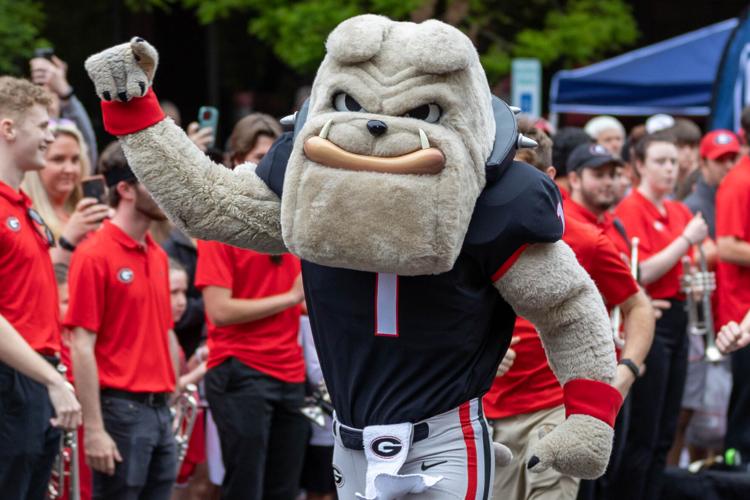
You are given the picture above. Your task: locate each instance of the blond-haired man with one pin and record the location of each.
(34, 399)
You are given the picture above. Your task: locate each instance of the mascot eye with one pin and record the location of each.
(430, 113)
(344, 102)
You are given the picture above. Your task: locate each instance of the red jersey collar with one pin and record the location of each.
(590, 216)
(123, 238)
(583, 212)
(650, 207)
(13, 196)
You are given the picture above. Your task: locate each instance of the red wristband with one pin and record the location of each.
(593, 398)
(123, 118)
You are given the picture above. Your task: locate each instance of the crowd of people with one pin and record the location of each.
(137, 312)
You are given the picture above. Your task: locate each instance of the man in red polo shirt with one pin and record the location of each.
(33, 396)
(526, 399)
(733, 280)
(256, 372)
(593, 176)
(123, 347)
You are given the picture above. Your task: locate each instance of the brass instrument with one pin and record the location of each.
(318, 405)
(65, 469)
(616, 312)
(184, 413)
(698, 285)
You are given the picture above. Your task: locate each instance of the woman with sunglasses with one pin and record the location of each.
(56, 191)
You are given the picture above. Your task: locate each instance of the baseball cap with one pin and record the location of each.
(659, 122)
(717, 143)
(591, 156)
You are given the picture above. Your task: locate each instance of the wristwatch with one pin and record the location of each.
(65, 244)
(630, 364)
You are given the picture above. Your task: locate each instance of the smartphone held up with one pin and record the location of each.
(208, 117)
(94, 187)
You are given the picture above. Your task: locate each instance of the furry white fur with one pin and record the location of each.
(409, 225)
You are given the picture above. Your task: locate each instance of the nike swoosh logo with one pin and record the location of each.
(425, 466)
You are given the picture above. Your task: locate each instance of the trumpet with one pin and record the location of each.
(184, 413)
(698, 285)
(65, 469)
(616, 312)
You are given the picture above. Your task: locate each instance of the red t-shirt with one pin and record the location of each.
(28, 291)
(656, 231)
(269, 345)
(119, 290)
(606, 223)
(733, 219)
(530, 385)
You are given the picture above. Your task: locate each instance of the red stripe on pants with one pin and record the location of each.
(464, 412)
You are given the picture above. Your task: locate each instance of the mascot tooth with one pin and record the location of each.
(420, 240)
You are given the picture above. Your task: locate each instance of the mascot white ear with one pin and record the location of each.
(358, 39)
(433, 37)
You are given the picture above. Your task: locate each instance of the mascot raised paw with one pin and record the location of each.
(420, 240)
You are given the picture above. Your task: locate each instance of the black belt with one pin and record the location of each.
(352, 438)
(155, 399)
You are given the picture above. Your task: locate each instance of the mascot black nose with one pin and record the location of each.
(376, 127)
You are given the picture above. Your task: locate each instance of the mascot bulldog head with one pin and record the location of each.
(389, 162)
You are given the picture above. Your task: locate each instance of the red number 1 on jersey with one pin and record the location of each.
(386, 305)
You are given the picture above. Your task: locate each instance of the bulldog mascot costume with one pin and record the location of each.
(420, 240)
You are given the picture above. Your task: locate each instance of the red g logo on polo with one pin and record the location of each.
(125, 275)
(13, 224)
(386, 447)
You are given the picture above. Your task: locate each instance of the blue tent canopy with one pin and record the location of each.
(675, 76)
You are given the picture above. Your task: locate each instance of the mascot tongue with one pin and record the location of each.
(423, 161)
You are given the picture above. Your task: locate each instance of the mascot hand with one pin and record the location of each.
(124, 71)
(578, 447)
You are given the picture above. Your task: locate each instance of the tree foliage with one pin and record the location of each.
(20, 25)
(561, 33)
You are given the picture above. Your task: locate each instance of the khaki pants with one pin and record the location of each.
(514, 481)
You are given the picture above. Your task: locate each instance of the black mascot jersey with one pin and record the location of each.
(399, 349)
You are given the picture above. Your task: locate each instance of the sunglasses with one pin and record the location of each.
(42, 227)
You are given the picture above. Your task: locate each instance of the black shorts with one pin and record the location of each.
(317, 473)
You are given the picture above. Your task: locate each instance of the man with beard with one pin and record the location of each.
(120, 313)
(593, 175)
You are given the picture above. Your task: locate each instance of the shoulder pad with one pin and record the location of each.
(523, 202)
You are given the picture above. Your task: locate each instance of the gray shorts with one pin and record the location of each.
(457, 446)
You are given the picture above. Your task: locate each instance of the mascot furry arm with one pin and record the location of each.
(220, 204)
(355, 198)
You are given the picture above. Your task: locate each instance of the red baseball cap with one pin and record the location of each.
(719, 142)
